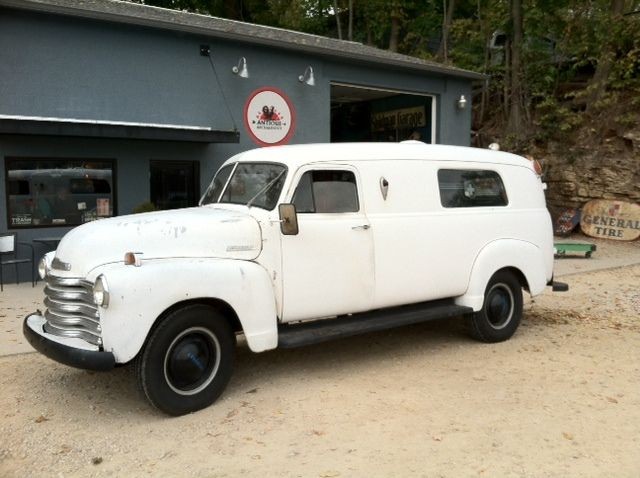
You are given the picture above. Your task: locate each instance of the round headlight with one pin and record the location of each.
(101, 292)
(42, 268)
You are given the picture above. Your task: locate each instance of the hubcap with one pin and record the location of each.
(499, 305)
(192, 361)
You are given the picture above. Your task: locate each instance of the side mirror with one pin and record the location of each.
(288, 219)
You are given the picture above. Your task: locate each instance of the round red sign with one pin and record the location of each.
(269, 117)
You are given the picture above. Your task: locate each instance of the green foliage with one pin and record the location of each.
(565, 41)
(555, 120)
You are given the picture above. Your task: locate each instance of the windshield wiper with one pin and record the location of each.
(265, 188)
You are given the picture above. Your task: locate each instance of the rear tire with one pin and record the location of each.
(187, 360)
(501, 311)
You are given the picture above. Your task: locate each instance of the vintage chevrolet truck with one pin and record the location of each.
(295, 245)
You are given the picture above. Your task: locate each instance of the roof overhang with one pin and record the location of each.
(36, 125)
(144, 15)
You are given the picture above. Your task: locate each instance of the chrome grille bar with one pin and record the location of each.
(71, 306)
(91, 324)
(69, 289)
(72, 332)
(71, 311)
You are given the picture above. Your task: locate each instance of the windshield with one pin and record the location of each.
(252, 184)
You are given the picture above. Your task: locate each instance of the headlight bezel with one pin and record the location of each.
(101, 292)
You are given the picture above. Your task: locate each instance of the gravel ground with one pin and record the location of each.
(561, 398)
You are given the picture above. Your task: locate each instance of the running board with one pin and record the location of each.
(307, 333)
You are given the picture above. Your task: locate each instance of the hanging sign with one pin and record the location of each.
(617, 220)
(269, 117)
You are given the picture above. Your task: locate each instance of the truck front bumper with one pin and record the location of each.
(69, 351)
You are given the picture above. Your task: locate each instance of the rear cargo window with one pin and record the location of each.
(471, 188)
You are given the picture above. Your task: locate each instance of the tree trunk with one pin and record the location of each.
(350, 27)
(447, 18)
(515, 107)
(485, 83)
(598, 83)
(506, 81)
(396, 17)
(337, 14)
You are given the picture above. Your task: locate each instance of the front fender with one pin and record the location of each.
(139, 295)
(500, 254)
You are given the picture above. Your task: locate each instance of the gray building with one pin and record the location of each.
(106, 105)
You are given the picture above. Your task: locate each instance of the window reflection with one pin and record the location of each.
(47, 192)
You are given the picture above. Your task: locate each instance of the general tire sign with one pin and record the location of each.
(617, 220)
(269, 117)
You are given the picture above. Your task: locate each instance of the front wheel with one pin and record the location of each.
(187, 360)
(502, 309)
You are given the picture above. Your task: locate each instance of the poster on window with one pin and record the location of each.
(269, 117)
(102, 207)
(21, 219)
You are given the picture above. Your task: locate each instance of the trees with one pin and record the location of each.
(548, 60)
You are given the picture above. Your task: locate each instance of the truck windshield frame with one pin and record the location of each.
(247, 182)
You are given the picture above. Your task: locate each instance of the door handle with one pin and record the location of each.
(363, 227)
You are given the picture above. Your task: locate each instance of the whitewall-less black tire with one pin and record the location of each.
(187, 360)
(501, 311)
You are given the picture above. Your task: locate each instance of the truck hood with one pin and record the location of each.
(194, 233)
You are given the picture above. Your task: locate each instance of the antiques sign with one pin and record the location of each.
(269, 117)
(609, 219)
(398, 119)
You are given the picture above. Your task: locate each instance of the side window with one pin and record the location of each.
(326, 192)
(471, 188)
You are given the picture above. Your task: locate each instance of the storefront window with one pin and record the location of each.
(53, 192)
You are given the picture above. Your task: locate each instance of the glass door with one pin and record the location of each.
(175, 184)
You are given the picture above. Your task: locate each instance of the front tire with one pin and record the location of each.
(501, 311)
(187, 360)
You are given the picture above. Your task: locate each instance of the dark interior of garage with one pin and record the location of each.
(368, 114)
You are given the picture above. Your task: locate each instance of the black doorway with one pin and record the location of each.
(175, 184)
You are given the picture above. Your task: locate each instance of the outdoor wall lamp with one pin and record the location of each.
(307, 77)
(241, 69)
(462, 102)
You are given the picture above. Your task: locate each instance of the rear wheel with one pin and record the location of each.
(187, 360)
(501, 312)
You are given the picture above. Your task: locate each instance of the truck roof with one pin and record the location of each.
(300, 154)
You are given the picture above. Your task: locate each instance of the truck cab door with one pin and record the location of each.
(328, 267)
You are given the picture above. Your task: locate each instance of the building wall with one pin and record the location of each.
(56, 66)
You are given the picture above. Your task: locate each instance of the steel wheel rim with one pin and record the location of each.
(499, 306)
(192, 360)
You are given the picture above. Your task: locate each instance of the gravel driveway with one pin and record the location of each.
(561, 398)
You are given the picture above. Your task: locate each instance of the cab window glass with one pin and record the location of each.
(471, 188)
(251, 184)
(326, 192)
(217, 185)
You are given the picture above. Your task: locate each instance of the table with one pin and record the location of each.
(51, 242)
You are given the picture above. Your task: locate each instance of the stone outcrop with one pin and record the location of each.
(577, 174)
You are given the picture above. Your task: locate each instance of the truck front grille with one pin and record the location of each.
(71, 311)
